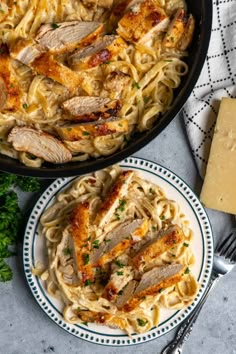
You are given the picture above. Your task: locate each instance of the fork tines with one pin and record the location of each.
(227, 248)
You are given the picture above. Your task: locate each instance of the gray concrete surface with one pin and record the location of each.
(25, 329)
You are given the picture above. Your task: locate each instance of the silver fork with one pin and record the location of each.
(224, 261)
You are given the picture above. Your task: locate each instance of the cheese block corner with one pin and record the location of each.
(219, 187)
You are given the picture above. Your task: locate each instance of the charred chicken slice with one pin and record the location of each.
(100, 52)
(92, 129)
(66, 36)
(80, 236)
(25, 51)
(142, 22)
(115, 83)
(10, 94)
(112, 200)
(152, 282)
(39, 144)
(164, 242)
(180, 31)
(119, 240)
(119, 279)
(46, 65)
(87, 108)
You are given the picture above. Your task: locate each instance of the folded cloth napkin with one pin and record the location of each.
(217, 80)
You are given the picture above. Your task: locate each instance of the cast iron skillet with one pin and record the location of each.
(202, 11)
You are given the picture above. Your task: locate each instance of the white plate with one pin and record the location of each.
(176, 189)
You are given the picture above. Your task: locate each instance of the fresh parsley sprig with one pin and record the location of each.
(11, 216)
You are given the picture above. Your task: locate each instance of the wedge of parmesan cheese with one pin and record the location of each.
(219, 188)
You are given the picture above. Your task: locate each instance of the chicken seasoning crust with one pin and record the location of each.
(78, 77)
(118, 251)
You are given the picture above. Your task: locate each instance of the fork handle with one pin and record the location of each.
(176, 346)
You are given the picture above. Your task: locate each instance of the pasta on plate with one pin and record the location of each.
(79, 77)
(119, 251)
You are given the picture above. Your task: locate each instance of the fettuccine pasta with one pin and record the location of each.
(152, 71)
(89, 300)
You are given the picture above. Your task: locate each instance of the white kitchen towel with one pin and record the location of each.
(217, 80)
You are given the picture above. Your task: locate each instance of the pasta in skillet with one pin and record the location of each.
(118, 251)
(45, 81)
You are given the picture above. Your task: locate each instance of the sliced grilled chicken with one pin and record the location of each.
(187, 37)
(46, 65)
(92, 129)
(118, 241)
(3, 93)
(142, 22)
(86, 108)
(153, 249)
(126, 294)
(115, 83)
(80, 236)
(66, 36)
(176, 29)
(119, 279)
(101, 51)
(112, 200)
(39, 144)
(25, 50)
(10, 95)
(120, 8)
(152, 282)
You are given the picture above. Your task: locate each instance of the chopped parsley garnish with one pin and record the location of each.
(173, 255)
(141, 322)
(85, 323)
(187, 270)
(143, 298)
(89, 238)
(78, 308)
(117, 216)
(86, 133)
(121, 206)
(119, 264)
(25, 106)
(96, 244)
(120, 292)
(108, 240)
(55, 25)
(67, 251)
(146, 99)
(120, 273)
(161, 290)
(163, 217)
(86, 258)
(1, 10)
(151, 190)
(154, 228)
(107, 62)
(88, 282)
(69, 129)
(120, 125)
(136, 84)
(185, 244)
(172, 39)
(12, 85)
